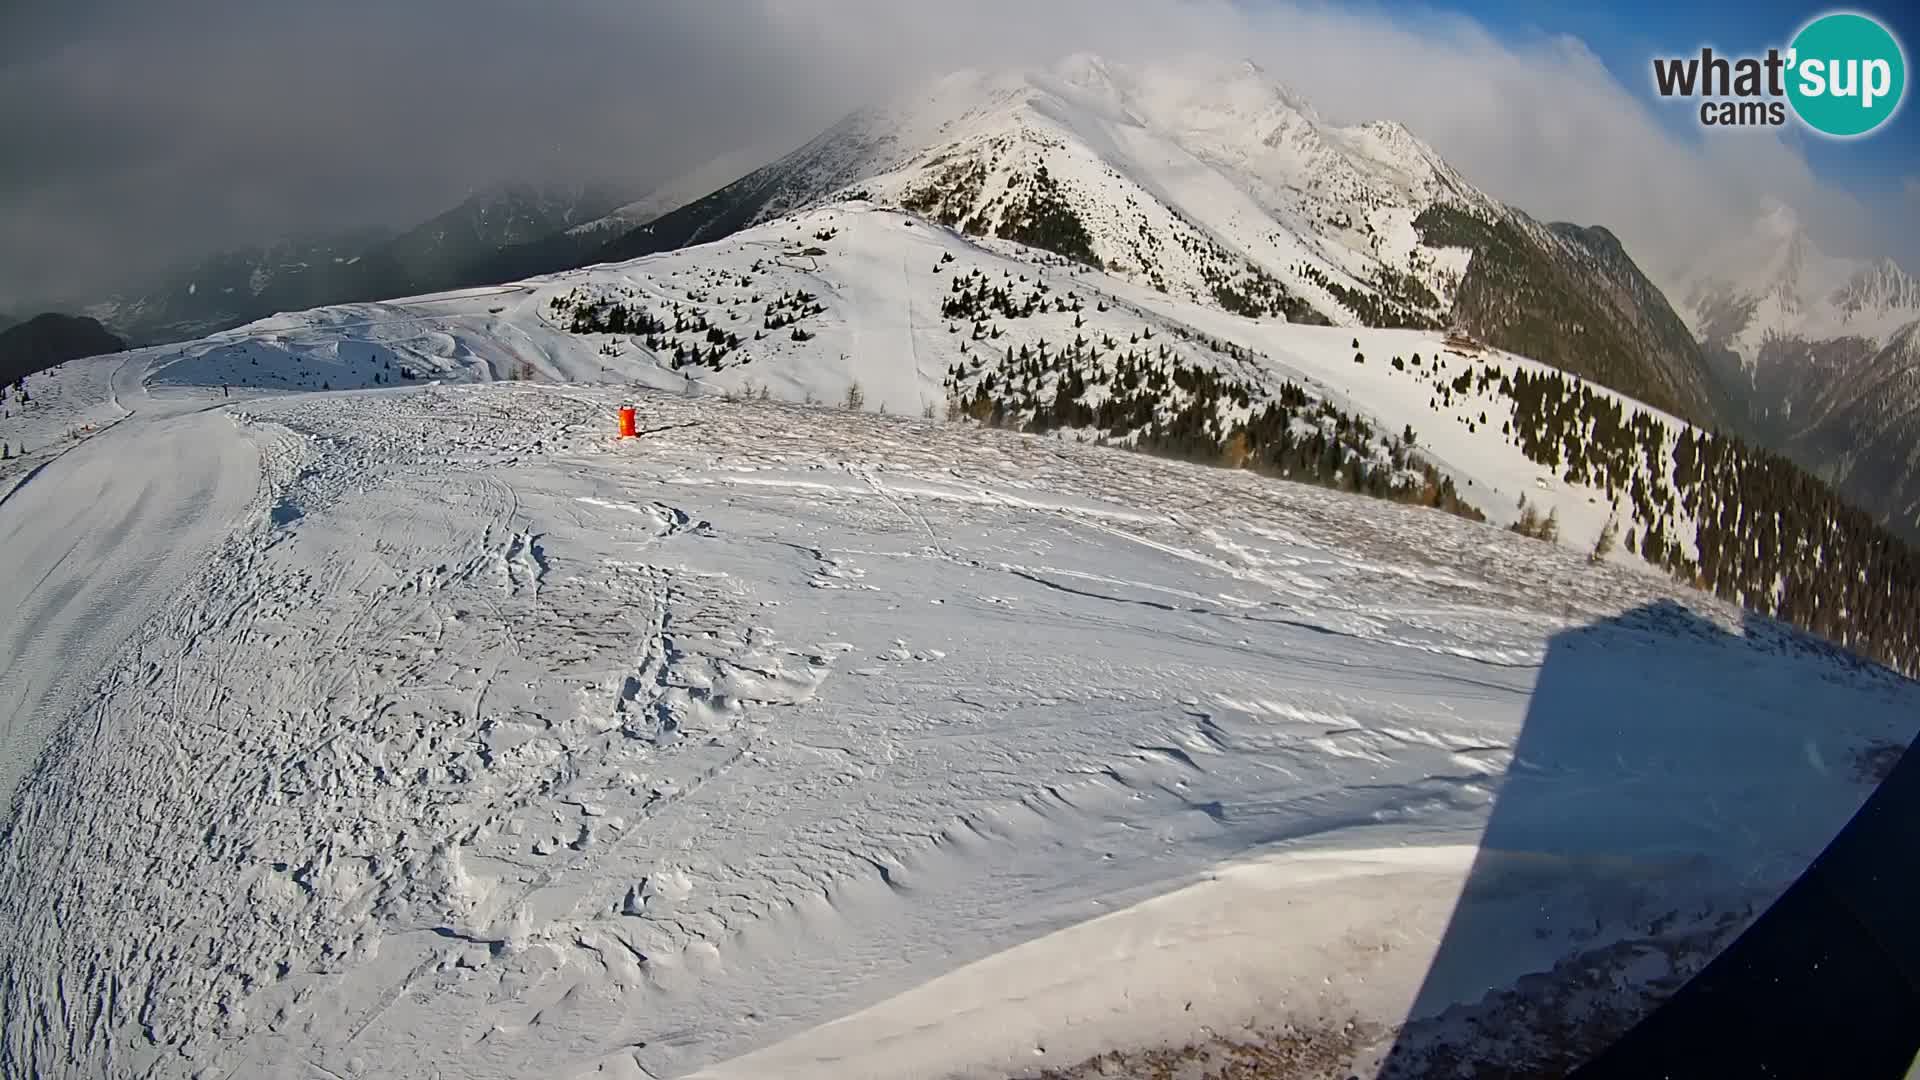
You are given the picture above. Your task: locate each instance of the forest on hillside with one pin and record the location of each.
(1708, 509)
(1764, 533)
(1143, 395)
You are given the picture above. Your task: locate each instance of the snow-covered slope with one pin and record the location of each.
(1188, 175)
(857, 296)
(1214, 184)
(386, 725)
(677, 192)
(60, 408)
(483, 744)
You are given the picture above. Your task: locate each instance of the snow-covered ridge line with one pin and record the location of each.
(865, 291)
(855, 302)
(1187, 174)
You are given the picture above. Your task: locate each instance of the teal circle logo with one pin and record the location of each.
(1848, 74)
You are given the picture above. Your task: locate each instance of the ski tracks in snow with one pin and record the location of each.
(427, 681)
(494, 747)
(102, 534)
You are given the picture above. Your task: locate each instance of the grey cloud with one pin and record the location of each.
(141, 132)
(1543, 125)
(136, 138)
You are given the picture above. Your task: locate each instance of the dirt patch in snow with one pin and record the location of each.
(1285, 1054)
(1875, 763)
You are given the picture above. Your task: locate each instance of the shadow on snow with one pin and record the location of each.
(1669, 779)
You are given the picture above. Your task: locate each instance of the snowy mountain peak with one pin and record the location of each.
(1200, 176)
(1227, 126)
(1776, 261)
(1880, 288)
(1816, 355)
(1393, 132)
(1208, 181)
(1775, 283)
(1789, 257)
(1195, 91)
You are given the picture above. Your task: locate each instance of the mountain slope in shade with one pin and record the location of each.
(670, 196)
(497, 235)
(237, 286)
(1212, 183)
(493, 234)
(1861, 422)
(1646, 321)
(46, 340)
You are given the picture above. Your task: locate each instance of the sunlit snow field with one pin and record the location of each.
(473, 741)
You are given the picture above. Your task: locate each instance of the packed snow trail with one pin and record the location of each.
(489, 746)
(95, 540)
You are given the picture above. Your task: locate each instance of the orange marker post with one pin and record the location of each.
(626, 422)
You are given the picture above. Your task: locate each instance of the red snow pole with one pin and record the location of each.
(626, 422)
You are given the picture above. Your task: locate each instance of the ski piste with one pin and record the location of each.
(813, 740)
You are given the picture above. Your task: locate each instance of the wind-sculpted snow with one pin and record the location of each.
(490, 746)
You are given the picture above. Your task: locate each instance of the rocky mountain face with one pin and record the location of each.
(1815, 357)
(1851, 413)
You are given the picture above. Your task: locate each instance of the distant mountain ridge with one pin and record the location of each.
(235, 287)
(1815, 355)
(470, 243)
(46, 340)
(495, 235)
